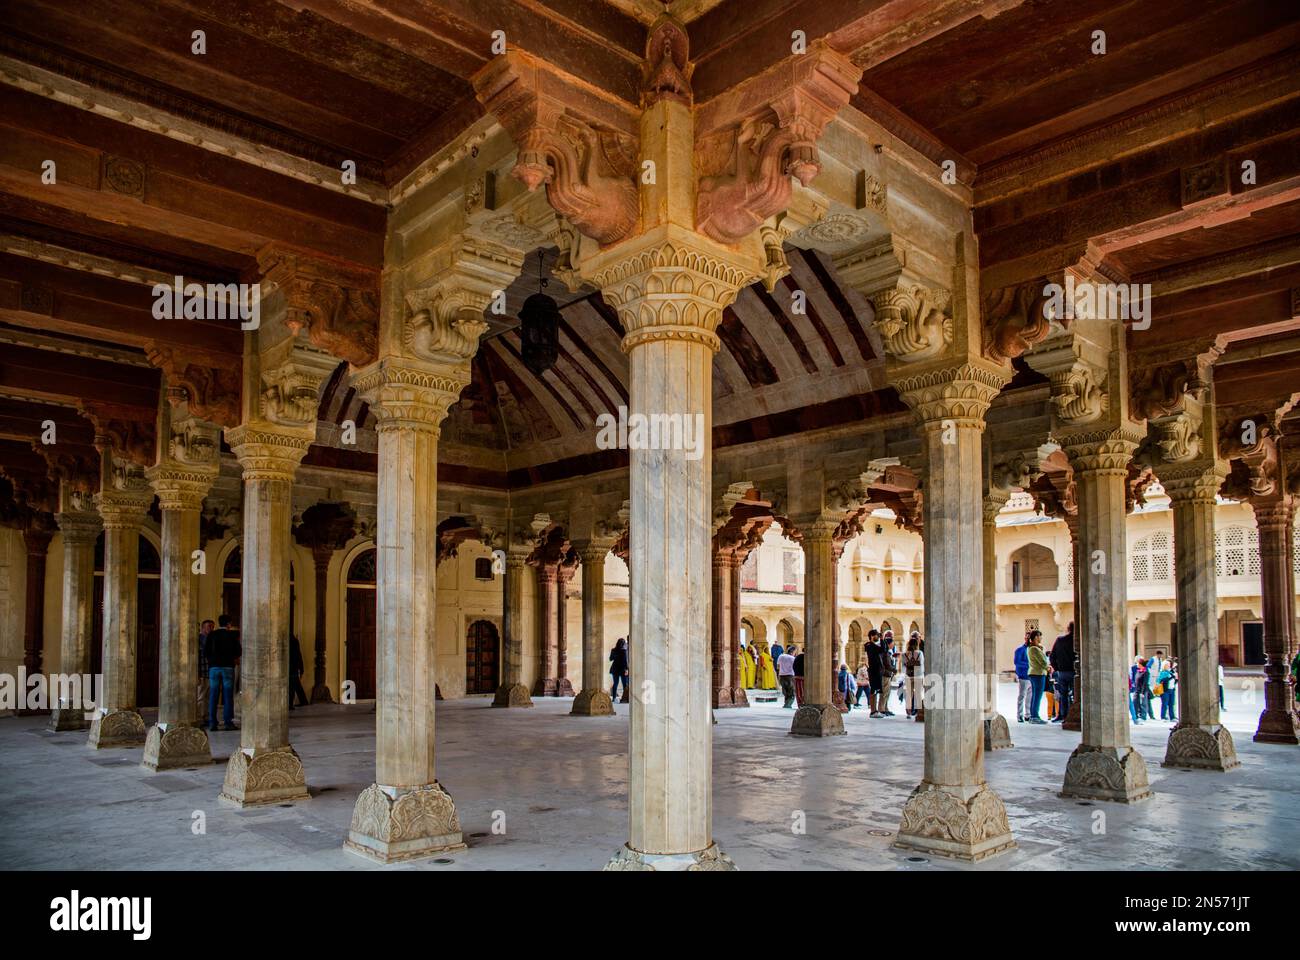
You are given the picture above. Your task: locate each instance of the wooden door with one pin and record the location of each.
(482, 655)
(361, 641)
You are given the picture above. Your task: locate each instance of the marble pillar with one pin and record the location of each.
(563, 686)
(36, 540)
(178, 738)
(593, 700)
(1074, 719)
(997, 735)
(738, 696)
(406, 813)
(122, 507)
(1104, 766)
(548, 582)
(1198, 740)
(818, 716)
(513, 692)
(265, 768)
(80, 530)
(720, 620)
(953, 812)
(1274, 516)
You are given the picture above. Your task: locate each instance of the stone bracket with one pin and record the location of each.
(337, 303)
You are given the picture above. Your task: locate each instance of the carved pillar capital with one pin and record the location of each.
(959, 393)
(124, 500)
(184, 475)
(1194, 483)
(1101, 452)
(410, 394)
(79, 528)
(670, 284)
(267, 454)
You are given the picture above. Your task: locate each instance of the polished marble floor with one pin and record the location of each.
(556, 785)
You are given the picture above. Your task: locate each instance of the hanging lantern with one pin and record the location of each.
(539, 329)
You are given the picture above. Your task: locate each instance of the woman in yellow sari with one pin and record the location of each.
(766, 679)
(747, 668)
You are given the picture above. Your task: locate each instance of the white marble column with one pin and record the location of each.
(79, 529)
(1104, 766)
(1198, 740)
(513, 692)
(818, 716)
(122, 506)
(593, 699)
(1274, 517)
(953, 812)
(178, 738)
(997, 735)
(406, 813)
(265, 769)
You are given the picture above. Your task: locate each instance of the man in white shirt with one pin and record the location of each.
(785, 675)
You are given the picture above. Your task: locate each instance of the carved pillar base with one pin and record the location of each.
(321, 694)
(1074, 719)
(838, 702)
(997, 735)
(267, 776)
(176, 746)
(592, 703)
(390, 825)
(1106, 773)
(965, 823)
(1277, 726)
(1201, 748)
(710, 858)
(116, 728)
(817, 720)
(544, 687)
(563, 688)
(723, 697)
(512, 695)
(62, 718)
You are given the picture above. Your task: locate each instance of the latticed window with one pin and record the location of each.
(1236, 552)
(1151, 559)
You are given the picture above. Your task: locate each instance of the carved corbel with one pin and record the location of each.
(209, 383)
(1077, 394)
(748, 157)
(75, 468)
(1252, 442)
(194, 443)
(1014, 320)
(587, 164)
(130, 432)
(913, 321)
(337, 303)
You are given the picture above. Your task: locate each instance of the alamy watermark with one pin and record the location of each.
(212, 301)
(651, 431)
(1099, 301)
(67, 691)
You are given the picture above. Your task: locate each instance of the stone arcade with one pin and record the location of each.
(765, 243)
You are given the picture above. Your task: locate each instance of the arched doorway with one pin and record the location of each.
(148, 597)
(1033, 567)
(232, 589)
(362, 612)
(482, 658)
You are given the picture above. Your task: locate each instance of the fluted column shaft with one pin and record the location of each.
(996, 733)
(80, 531)
(117, 722)
(1198, 740)
(1104, 766)
(593, 699)
(721, 623)
(738, 696)
(1277, 721)
(548, 582)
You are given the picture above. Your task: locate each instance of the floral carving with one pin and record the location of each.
(940, 822)
(1099, 773)
(414, 823)
(1194, 746)
(268, 776)
(176, 747)
(117, 728)
(912, 321)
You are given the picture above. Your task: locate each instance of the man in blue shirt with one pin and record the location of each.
(1024, 693)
